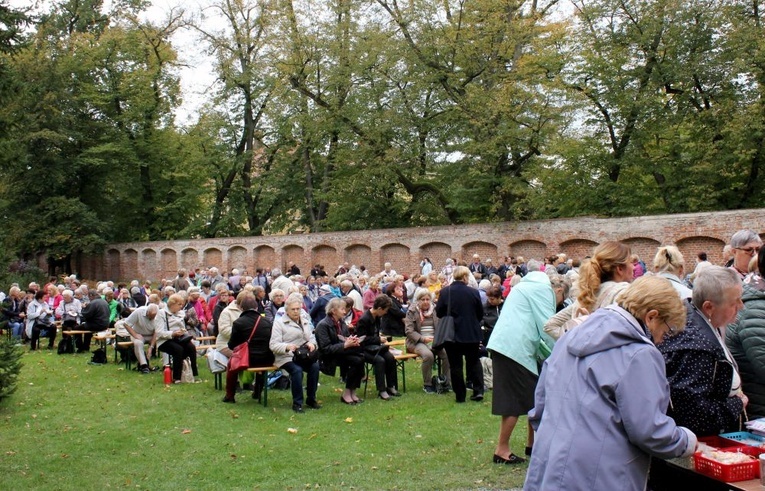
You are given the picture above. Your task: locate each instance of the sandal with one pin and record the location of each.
(513, 459)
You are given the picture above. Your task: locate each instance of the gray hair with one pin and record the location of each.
(334, 304)
(152, 308)
(744, 237)
(275, 292)
(293, 298)
(712, 283)
(347, 283)
(532, 265)
(67, 293)
(276, 272)
(423, 292)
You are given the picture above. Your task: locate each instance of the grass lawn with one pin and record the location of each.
(71, 425)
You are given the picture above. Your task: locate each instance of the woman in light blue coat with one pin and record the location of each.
(602, 396)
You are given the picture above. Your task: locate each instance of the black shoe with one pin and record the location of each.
(527, 451)
(247, 387)
(514, 459)
(144, 369)
(297, 408)
(229, 401)
(469, 385)
(478, 397)
(313, 405)
(429, 389)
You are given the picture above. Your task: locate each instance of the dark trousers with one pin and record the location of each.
(180, 352)
(296, 380)
(384, 365)
(43, 330)
(455, 352)
(85, 345)
(355, 371)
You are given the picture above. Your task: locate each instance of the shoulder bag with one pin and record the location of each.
(240, 359)
(445, 328)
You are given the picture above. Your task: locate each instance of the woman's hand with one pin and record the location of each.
(427, 339)
(311, 347)
(291, 348)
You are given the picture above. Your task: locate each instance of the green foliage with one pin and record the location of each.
(10, 367)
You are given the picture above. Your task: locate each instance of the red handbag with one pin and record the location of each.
(240, 359)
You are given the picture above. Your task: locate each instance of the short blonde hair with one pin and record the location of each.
(668, 259)
(461, 273)
(175, 299)
(653, 292)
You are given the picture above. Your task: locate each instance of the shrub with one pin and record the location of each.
(10, 366)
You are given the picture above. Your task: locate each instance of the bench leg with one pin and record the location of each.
(265, 388)
(218, 381)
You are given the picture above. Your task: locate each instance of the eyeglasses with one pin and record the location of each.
(672, 330)
(749, 250)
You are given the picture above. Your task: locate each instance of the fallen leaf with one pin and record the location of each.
(185, 432)
(348, 420)
(292, 430)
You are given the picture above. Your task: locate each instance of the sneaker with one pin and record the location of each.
(478, 397)
(429, 389)
(297, 408)
(144, 369)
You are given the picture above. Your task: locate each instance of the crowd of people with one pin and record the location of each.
(613, 361)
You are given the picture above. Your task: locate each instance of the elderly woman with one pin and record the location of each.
(225, 323)
(600, 280)
(703, 379)
(464, 305)
(12, 310)
(170, 338)
(338, 347)
(746, 339)
(670, 264)
(277, 298)
(257, 344)
(290, 332)
(40, 321)
(600, 403)
(376, 353)
(514, 346)
(420, 325)
(745, 244)
(371, 293)
(393, 320)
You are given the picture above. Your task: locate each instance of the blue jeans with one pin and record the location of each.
(296, 380)
(15, 327)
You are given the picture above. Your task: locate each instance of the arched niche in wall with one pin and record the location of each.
(150, 269)
(265, 257)
(437, 252)
(168, 263)
(325, 255)
(358, 254)
(484, 249)
(529, 249)
(294, 253)
(578, 248)
(399, 257)
(190, 259)
(690, 247)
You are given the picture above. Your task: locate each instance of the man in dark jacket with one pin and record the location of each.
(95, 318)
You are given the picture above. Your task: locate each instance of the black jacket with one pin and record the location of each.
(700, 376)
(369, 326)
(392, 323)
(464, 304)
(96, 314)
(260, 353)
(331, 346)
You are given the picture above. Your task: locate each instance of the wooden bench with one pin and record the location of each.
(70, 336)
(201, 339)
(400, 365)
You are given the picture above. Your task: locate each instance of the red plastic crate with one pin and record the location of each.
(728, 472)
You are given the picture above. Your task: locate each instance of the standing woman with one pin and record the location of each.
(670, 264)
(464, 305)
(600, 279)
(290, 332)
(258, 345)
(338, 347)
(514, 345)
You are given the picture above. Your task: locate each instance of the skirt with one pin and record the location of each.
(514, 386)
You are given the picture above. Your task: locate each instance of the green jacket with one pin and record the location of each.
(746, 341)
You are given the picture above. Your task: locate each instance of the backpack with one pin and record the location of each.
(99, 357)
(66, 346)
(440, 384)
(278, 381)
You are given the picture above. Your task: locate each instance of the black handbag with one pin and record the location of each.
(445, 328)
(304, 356)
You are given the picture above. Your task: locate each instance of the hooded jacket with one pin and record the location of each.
(746, 342)
(600, 409)
(700, 379)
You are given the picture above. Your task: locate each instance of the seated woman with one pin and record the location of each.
(703, 379)
(420, 325)
(352, 315)
(393, 321)
(375, 352)
(40, 321)
(277, 297)
(600, 402)
(170, 338)
(290, 332)
(260, 352)
(338, 347)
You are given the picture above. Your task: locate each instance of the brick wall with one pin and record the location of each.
(404, 248)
